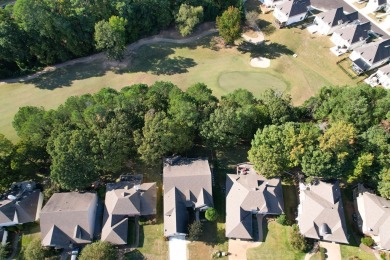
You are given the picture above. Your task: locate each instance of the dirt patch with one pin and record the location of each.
(238, 248)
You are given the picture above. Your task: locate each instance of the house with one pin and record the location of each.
(328, 22)
(350, 37)
(271, 3)
(291, 11)
(370, 56)
(374, 217)
(250, 197)
(375, 5)
(126, 199)
(21, 204)
(187, 190)
(381, 77)
(321, 213)
(68, 219)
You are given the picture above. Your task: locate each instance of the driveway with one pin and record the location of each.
(178, 248)
(238, 248)
(332, 250)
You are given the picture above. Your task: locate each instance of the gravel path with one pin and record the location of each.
(130, 48)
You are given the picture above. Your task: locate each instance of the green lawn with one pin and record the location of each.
(276, 245)
(222, 70)
(351, 252)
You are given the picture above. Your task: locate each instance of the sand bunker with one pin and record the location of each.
(260, 62)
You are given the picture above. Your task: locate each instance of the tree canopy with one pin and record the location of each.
(229, 24)
(99, 250)
(188, 17)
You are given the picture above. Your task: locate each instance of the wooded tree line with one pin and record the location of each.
(340, 133)
(36, 33)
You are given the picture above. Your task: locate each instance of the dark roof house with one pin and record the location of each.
(370, 56)
(249, 196)
(68, 219)
(187, 184)
(123, 200)
(321, 212)
(20, 204)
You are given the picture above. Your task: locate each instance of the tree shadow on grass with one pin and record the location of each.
(157, 60)
(266, 27)
(269, 50)
(134, 255)
(64, 77)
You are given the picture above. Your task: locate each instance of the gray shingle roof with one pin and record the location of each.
(333, 17)
(187, 183)
(375, 51)
(355, 32)
(24, 205)
(293, 7)
(68, 218)
(248, 192)
(375, 214)
(321, 213)
(126, 199)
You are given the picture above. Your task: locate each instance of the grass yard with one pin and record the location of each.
(152, 244)
(354, 252)
(212, 240)
(222, 70)
(276, 245)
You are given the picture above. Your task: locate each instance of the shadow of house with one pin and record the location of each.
(269, 50)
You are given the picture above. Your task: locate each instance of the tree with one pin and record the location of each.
(267, 142)
(221, 130)
(211, 214)
(368, 241)
(111, 37)
(3, 251)
(278, 107)
(34, 250)
(195, 230)
(282, 220)
(188, 17)
(229, 24)
(298, 242)
(384, 183)
(99, 250)
(251, 18)
(73, 164)
(7, 175)
(205, 102)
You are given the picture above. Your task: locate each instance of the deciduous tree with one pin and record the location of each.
(99, 250)
(188, 17)
(229, 24)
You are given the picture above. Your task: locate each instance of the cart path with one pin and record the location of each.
(130, 48)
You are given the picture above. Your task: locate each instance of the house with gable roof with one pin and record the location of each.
(332, 20)
(68, 219)
(350, 37)
(125, 199)
(291, 11)
(380, 77)
(249, 198)
(370, 56)
(373, 217)
(187, 186)
(21, 204)
(321, 212)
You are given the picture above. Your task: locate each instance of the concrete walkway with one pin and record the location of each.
(332, 250)
(238, 248)
(178, 248)
(257, 40)
(130, 48)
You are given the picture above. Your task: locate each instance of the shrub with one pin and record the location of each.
(282, 220)
(251, 18)
(34, 250)
(3, 251)
(195, 230)
(99, 250)
(211, 214)
(298, 242)
(368, 241)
